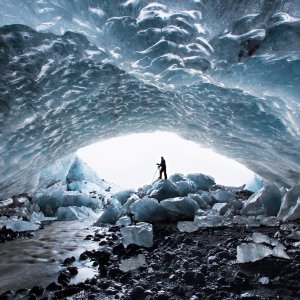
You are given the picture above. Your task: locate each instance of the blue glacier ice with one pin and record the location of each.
(112, 213)
(266, 201)
(223, 196)
(163, 189)
(179, 208)
(202, 182)
(81, 172)
(124, 221)
(70, 213)
(50, 200)
(19, 225)
(148, 210)
(225, 74)
(140, 234)
(201, 200)
(255, 184)
(124, 195)
(290, 205)
(133, 263)
(127, 206)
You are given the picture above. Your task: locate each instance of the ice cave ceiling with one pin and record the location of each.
(225, 74)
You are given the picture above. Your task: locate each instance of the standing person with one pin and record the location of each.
(163, 168)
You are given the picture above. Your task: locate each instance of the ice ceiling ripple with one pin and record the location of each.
(226, 75)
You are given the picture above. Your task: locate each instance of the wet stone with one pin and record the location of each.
(199, 278)
(114, 272)
(73, 270)
(221, 281)
(83, 256)
(104, 284)
(64, 277)
(119, 249)
(137, 293)
(37, 290)
(169, 256)
(189, 277)
(22, 292)
(69, 261)
(111, 291)
(203, 269)
(162, 295)
(54, 286)
(103, 242)
(224, 255)
(179, 290)
(69, 291)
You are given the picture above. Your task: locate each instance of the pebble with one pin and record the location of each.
(69, 261)
(137, 293)
(54, 286)
(37, 290)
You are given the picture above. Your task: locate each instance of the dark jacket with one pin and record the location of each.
(163, 164)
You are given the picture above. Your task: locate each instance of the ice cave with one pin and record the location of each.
(224, 74)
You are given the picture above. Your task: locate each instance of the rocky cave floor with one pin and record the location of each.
(198, 265)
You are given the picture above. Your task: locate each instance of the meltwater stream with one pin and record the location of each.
(25, 263)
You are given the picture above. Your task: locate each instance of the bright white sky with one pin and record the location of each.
(130, 161)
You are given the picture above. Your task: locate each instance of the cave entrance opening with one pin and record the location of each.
(130, 161)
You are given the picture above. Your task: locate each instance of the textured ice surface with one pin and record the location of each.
(203, 182)
(124, 221)
(127, 205)
(124, 195)
(187, 226)
(18, 225)
(148, 210)
(183, 184)
(264, 280)
(225, 74)
(265, 201)
(79, 171)
(252, 252)
(85, 187)
(209, 221)
(261, 247)
(279, 252)
(163, 189)
(294, 235)
(112, 212)
(201, 200)
(221, 208)
(185, 187)
(290, 206)
(177, 177)
(133, 263)
(256, 221)
(49, 200)
(255, 184)
(36, 217)
(260, 238)
(55, 172)
(140, 234)
(180, 207)
(71, 213)
(222, 196)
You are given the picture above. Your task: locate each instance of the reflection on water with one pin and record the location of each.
(25, 263)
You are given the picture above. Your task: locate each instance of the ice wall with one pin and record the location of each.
(225, 74)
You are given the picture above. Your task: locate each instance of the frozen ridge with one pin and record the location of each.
(73, 73)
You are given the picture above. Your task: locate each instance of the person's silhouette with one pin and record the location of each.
(163, 168)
